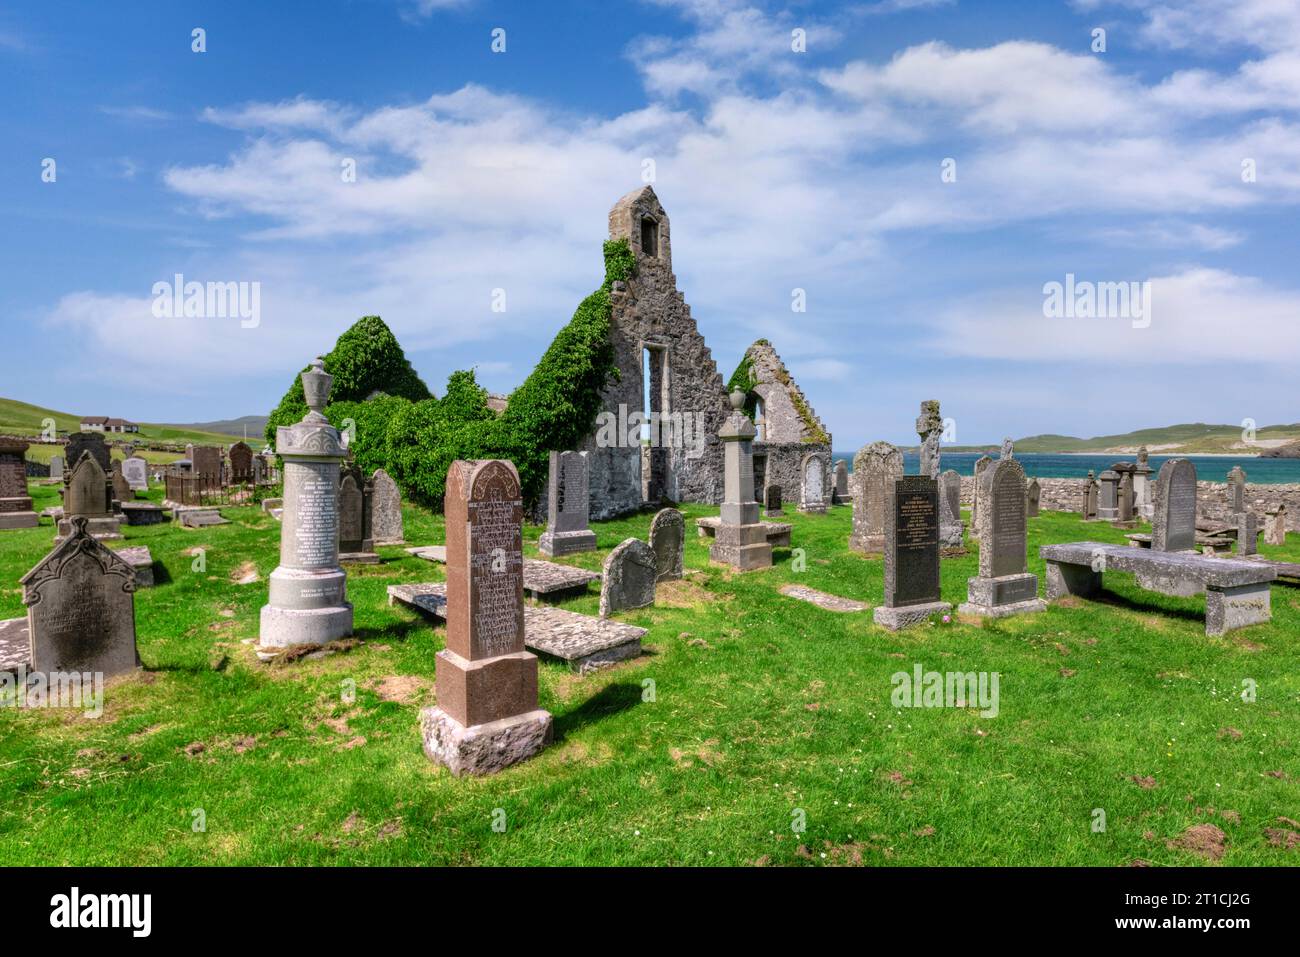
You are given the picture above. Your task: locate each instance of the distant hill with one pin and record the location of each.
(1187, 439)
(22, 418)
(256, 425)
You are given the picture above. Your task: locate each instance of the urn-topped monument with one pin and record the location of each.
(308, 593)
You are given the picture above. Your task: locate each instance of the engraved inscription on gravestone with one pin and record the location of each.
(1006, 500)
(916, 541)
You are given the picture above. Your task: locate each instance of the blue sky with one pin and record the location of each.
(819, 170)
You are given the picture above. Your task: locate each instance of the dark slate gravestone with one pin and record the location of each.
(568, 504)
(92, 442)
(874, 469)
(1004, 586)
(15, 504)
(1108, 498)
(56, 468)
(206, 461)
(911, 553)
(772, 500)
(81, 607)
(668, 541)
(841, 482)
(386, 510)
(628, 579)
(1173, 523)
(241, 463)
(486, 682)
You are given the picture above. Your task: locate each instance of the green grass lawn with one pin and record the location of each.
(764, 709)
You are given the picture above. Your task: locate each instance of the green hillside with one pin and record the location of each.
(22, 418)
(1188, 438)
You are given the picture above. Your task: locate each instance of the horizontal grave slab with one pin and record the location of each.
(542, 579)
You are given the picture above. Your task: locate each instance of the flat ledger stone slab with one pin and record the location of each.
(778, 533)
(823, 600)
(144, 513)
(140, 559)
(15, 644)
(584, 642)
(542, 579)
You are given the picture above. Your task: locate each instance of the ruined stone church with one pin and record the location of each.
(670, 380)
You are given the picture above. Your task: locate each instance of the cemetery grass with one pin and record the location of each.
(764, 709)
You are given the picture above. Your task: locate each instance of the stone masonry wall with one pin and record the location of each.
(783, 466)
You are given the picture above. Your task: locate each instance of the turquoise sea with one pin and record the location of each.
(1209, 468)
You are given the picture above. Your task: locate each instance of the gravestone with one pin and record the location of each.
(1033, 492)
(1008, 450)
(205, 460)
(773, 501)
(56, 468)
(950, 522)
(874, 469)
(668, 542)
(80, 602)
(1142, 473)
(1125, 517)
(356, 541)
(741, 539)
(1247, 534)
(92, 442)
(1004, 586)
(1108, 496)
(1173, 523)
(87, 493)
(486, 682)
(628, 577)
(929, 426)
(911, 554)
(385, 509)
(241, 463)
(307, 599)
(841, 482)
(1236, 490)
(15, 504)
(121, 487)
(568, 504)
(1090, 494)
(813, 471)
(981, 466)
(136, 472)
(1275, 526)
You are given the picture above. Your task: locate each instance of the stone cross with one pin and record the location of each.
(929, 426)
(568, 504)
(874, 469)
(1008, 450)
(307, 603)
(981, 466)
(486, 682)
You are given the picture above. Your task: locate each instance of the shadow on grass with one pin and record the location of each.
(609, 701)
(1116, 600)
(394, 631)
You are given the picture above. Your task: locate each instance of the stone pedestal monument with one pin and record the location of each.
(15, 504)
(741, 539)
(568, 505)
(1090, 493)
(1142, 473)
(1108, 497)
(911, 554)
(308, 602)
(1004, 585)
(487, 716)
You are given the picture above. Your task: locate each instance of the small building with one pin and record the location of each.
(102, 423)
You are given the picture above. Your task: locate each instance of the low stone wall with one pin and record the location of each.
(1066, 495)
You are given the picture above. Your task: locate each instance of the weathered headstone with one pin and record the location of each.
(741, 539)
(1125, 501)
(929, 426)
(568, 505)
(1108, 496)
(205, 460)
(1237, 490)
(386, 510)
(487, 716)
(1173, 524)
(951, 528)
(87, 493)
(813, 472)
(1033, 492)
(136, 472)
(122, 491)
(981, 466)
(1090, 495)
(356, 539)
(241, 463)
(1275, 526)
(1247, 534)
(668, 541)
(15, 504)
(81, 607)
(772, 503)
(841, 482)
(92, 442)
(911, 553)
(1004, 585)
(628, 577)
(56, 468)
(874, 469)
(1142, 473)
(307, 602)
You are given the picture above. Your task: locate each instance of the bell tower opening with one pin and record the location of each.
(650, 236)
